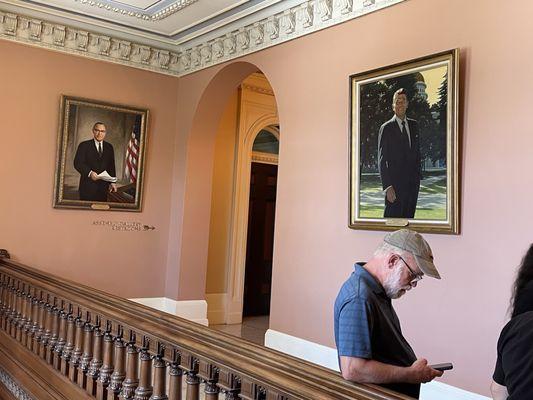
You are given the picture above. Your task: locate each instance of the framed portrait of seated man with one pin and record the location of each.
(100, 155)
(404, 147)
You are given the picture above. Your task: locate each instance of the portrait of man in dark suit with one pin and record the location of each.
(399, 160)
(93, 157)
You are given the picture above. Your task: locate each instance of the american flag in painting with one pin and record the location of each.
(132, 152)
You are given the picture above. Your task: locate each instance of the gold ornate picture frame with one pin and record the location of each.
(404, 147)
(100, 156)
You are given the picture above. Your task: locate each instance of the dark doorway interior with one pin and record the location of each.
(260, 241)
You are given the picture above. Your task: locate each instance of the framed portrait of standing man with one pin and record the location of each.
(100, 156)
(404, 149)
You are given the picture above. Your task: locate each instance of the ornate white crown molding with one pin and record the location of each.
(305, 18)
(13, 387)
(160, 14)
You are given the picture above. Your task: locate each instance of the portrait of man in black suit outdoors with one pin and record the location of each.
(399, 160)
(94, 157)
(403, 145)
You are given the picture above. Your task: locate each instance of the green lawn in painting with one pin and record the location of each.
(431, 198)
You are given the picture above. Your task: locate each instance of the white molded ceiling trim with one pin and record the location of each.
(231, 41)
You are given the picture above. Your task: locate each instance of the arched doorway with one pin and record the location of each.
(261, 220)
(245, 138)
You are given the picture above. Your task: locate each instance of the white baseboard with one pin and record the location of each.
(193, 310)
(216, 308)
(327, 357)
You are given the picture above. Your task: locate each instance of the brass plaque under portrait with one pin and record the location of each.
(404, 146)
(100, 156)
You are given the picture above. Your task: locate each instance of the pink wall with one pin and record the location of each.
(65, 242)
(457, 319)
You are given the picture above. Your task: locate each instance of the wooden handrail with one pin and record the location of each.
(108, 345)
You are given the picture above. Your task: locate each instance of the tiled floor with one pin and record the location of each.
(252, 329)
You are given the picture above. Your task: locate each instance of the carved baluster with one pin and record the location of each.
(27, 322)
(3, 290)
(209, 374)
(32, 304)
(175, 377)
(229, 383)
(115, 385)
(96, 362)
(47, 332)
(75, 358)
(190, 366)
(160, 375)
(107, 368)
(9, 312)
(17, 310)
(145, 390)
(132, 365)
(10, 305)
(40, 323)
(14, 309)
(61, 337)
(23, 313)
(54, 325)
(34, 325)
(5, 298)
(69, 346)
(87, 351)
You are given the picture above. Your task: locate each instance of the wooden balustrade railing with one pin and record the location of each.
(63, 340)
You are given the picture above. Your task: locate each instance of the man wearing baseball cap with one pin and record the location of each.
(370, 344)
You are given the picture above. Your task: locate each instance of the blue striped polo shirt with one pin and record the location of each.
(366, 326)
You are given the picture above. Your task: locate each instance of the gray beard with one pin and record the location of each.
(392, 286)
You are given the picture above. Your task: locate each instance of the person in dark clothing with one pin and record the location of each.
(512, 378)
(368, 336)
(399, 160)
(93, 157)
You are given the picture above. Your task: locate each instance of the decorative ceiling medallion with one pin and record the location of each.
(160, 14)
(232, 41)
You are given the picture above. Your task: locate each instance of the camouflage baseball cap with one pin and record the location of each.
(414, 243)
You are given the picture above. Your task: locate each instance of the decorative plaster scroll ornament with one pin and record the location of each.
(243, 39)
(325, 9)
(145, 53)
(163, 57)
(59, 34)
(306, 15)
(257, 33)
(345, 6)
(195, 57)
(82, 40)
(174, 61)
(124, 49)
(272, 27)
(184, 61)
(10, 24)
(35, 27)
(230, 44)
(367, 3)
(288, 22)
(218, 48)
(206, 53)
(104, 45)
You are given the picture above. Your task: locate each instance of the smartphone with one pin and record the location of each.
(442, 367)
